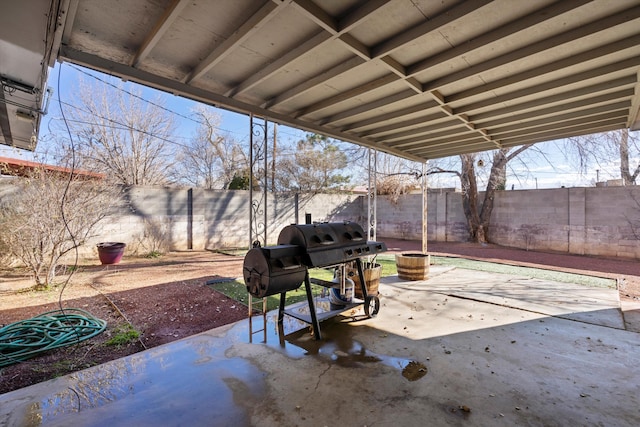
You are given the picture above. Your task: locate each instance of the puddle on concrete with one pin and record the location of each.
(337, 345)
(194, 372)
(197, 374)
(414, 371)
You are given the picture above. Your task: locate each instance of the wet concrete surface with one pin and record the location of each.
(462, 348)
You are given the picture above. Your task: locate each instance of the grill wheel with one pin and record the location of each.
(371, 306)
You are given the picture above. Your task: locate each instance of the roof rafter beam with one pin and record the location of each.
(344, 96)
(318, 15)
(438, 97)
(552, 130)
(248, 28)
(558, 96)
(398, 69)
(563, 107)
(447, 145)
(315, 81)
(382, 50)
(164, 23)
(583, 128)
(328, 24)
(401, 137)
(387, 100)
(338, 27)
(615, 109)
(433, 137)
(565, 63)
(451, 149)
(268, 71)
(407, 124)
(391, 116)
(538, 47)
(446, 17)
(354, 17)
(506, 30)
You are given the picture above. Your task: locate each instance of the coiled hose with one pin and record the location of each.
(24, 339)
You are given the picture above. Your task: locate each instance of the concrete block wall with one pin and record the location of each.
(402, 218)
(602, 221)
(584, 221)
(534, 219)
(213, 219)
(598, 221)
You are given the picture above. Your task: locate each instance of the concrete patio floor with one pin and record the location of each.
(462, 348)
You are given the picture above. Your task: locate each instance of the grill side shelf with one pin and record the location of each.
(300, 311)
(320, 282)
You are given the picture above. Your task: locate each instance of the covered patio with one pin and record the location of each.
(462, 347)
(417, 79)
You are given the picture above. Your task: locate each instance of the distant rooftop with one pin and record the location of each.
(19, 167)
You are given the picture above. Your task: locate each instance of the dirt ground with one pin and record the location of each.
(167, 299)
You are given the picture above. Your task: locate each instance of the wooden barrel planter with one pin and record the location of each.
(413, 266)
(371, 272)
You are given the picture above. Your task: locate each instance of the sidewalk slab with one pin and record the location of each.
(600, 306)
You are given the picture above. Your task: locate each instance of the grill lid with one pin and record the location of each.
(326, 244)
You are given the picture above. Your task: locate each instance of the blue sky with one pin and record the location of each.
(234, 124)
(534, 174)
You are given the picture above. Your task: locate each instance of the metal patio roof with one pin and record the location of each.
(417, 78)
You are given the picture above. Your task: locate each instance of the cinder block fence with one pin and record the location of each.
(603, 221)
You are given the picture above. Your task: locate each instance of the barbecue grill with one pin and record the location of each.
(278, 269)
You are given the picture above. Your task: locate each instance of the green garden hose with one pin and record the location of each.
(24, 339)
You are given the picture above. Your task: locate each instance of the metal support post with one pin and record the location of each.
(258, 199)
(423, 185)
(372, 199)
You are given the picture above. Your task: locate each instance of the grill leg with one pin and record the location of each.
(363, 285)
(283, 298)
(312, 308)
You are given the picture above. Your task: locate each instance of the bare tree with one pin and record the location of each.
(396, 176)
(48, 216)
(478, 215)
(212, 159)
(121, 135)
(602, 151)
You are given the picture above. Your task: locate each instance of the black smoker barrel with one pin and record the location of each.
(273, 269)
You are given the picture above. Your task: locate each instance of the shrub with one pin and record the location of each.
(48, 216)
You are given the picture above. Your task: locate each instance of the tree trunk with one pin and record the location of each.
(628, 177)
(624, 158)
(477, 232)
(478, 220)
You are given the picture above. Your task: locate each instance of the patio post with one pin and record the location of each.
(423, 185)
(258, 142)
(372, 196)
